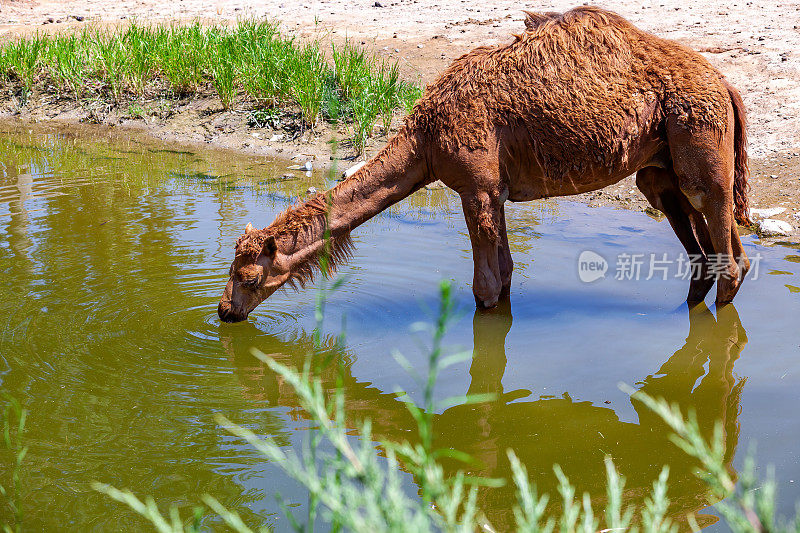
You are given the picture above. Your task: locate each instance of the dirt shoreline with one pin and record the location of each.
(761, 57)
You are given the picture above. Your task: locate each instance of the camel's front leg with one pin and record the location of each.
(483, 214)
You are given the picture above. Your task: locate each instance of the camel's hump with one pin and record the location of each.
(586, 79)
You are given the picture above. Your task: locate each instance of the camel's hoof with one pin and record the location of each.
(485, 304)
(726, 294)
(698, 293)
(693, 303)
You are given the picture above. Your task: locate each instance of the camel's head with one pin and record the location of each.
(256, 273)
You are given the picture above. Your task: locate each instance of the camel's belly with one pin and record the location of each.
(533, 188)
(526, 180)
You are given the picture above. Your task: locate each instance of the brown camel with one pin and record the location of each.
(578, 101)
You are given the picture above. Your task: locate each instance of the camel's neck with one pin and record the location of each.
(396, 171)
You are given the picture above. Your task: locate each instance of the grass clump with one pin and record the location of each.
(141, 61)
(179, 56)
(266, 61)
(67, 63)
(250, 63)
(307, 75)
(22, 59)
(113, 63)
(372, 90)
(223, 70)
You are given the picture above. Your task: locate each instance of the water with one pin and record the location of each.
(114, 256)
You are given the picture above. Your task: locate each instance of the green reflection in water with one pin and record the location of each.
(99, 311)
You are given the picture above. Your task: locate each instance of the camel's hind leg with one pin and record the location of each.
(483, 214)
(660, 187)
(504, 256)
(703, 161)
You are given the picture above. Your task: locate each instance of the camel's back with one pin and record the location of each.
(584, 84)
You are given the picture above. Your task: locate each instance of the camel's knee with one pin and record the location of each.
(488, 222)
(744, 266)
(483, 212)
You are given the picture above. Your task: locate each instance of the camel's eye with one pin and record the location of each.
(249, 277)
(250, 282)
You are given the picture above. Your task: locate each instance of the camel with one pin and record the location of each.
(576, 102)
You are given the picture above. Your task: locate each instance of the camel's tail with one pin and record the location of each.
(741, 171)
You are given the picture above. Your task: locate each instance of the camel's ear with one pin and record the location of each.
(534, 20)
(248, 229)
(270, 247)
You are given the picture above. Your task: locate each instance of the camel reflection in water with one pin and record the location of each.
(543, 431)
(16, 188)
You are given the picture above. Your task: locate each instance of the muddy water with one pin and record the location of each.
(113, 257)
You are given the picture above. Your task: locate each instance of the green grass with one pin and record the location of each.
(114, 63)
(307, 74)
(373, 90)
(249, 65)
(13, 428)
(223, 70)
(21, 60)
(66, 65)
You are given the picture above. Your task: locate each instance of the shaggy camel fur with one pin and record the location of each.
(578, 101)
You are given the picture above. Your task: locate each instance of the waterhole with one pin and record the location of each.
(113, 258)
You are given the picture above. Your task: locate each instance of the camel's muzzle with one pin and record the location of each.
(227, 314)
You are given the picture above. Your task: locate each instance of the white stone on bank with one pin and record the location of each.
(769, 227)
(766, 213)
(352, 170)
(308, 166)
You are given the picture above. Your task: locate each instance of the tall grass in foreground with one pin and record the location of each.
(352, 489)
(250, 63)
(11, 444)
